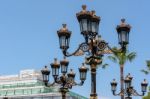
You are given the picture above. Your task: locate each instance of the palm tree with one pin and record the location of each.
(121, 57)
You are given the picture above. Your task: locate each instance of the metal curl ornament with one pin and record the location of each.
(102, 45)
(84, 47)
(92, 35)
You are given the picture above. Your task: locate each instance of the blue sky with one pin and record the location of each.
(28, 36)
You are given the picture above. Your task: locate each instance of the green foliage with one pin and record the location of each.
(121, 57)
(147, 70)
(147, 97)
(104, 66)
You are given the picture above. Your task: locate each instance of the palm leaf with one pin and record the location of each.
(148, 62)
(104, 66)
(145, 71)
(112, 58)
(121, 57)
(131, 56)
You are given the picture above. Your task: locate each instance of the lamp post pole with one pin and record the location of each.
(93, 82)
(66, 80)
(63, 92)
(93, 45)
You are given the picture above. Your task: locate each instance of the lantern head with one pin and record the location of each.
(144, 85)
(71, 76)
(113, 86)
(123, 33)
(64, 37)
(55, 68)
(64, 65)
(83, 72)
(45, 73)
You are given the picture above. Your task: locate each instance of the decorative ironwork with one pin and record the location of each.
(129, 89)
(84, 47)
(92, 35)
(66, 80)
(102, 45)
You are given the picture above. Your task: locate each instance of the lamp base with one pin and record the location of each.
(128, 98)
(93, 96)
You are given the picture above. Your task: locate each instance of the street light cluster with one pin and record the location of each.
(93, 46)
(129, 89)
(66, 80)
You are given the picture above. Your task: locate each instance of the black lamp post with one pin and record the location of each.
(93, 44)
(66, 80)
(129, 91)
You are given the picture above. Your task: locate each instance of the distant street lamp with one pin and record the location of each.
(128, 91)
(66, 80)
(93, 45)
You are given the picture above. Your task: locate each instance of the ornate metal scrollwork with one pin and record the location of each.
(92, 35)
(84, 47)
(101, 45)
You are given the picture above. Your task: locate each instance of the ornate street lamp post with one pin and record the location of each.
(93, 44)
(66, 80)
(128, 91)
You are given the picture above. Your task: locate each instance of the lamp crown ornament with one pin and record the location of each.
(55, 61)
(71, 71)
(65, 59)
(123, 20)
(83, 7)
(64, 27)
(129, 76)
(124, 24)
(114, 80)
(83, 66)
(145, 82)
(93, 12)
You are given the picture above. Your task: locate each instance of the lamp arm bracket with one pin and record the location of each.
(78, 84)
(58, 81)
(83, 47)
(121, 50)
(122, 92)
(135, 93)
(51, 84)
(112, 50)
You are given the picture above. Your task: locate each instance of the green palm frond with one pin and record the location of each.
(131, 56)
(148, 68)
(121, 57)
(104, 66)
(145, 71)
(112, 58)
(116, 52)
(148, 64)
